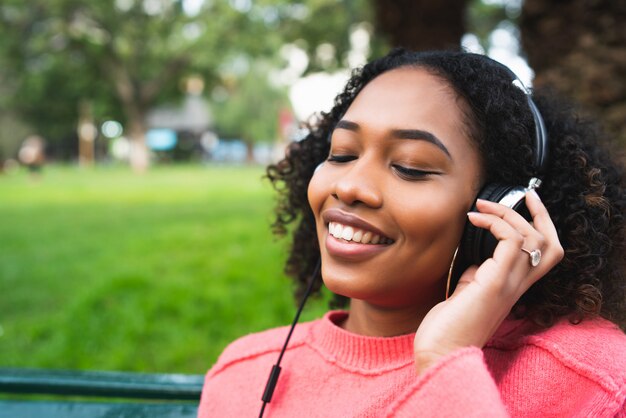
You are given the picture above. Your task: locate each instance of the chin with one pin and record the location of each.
(354, 288)
(339, 286)
(347, 285)
(359, 285)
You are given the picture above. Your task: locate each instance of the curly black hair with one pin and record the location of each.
(583, 189)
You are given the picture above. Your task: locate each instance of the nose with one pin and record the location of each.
(359, 184)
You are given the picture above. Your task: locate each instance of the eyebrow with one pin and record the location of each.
(416, 134)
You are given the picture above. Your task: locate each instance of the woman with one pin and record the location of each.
(381, 190)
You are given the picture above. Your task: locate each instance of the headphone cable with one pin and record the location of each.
(274, 374)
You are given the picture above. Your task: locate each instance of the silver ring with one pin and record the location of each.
(535, 256)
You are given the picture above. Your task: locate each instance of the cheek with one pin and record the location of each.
(437, 220)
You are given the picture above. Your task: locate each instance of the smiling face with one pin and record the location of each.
(391, 201)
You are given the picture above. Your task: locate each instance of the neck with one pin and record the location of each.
(377, 321)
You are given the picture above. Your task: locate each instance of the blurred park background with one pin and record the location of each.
(134, 221)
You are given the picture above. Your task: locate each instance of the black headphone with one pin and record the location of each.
(478, 244)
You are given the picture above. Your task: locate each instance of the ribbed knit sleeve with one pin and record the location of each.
(459, 385)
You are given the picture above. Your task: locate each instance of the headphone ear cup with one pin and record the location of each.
(478, 244)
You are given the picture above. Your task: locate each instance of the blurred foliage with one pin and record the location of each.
(248, 107)
(485, 16)
(12, 133)
(127, 56)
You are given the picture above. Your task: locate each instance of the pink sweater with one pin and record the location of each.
(564, 371)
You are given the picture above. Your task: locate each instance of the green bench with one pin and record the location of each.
(73, 394)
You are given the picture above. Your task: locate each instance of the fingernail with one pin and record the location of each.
(473, 216)
(533, 193)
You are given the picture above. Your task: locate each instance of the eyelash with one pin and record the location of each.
(341, 158)
(407, 173)
(411, 173)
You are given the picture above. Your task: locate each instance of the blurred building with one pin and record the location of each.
(176, 132)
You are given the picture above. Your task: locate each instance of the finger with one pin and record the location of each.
(500, 228)
(466, 278)
(543, 223)
(507, 214)
(540, 215)
(508, 259)
(510, 239)
(535, 237)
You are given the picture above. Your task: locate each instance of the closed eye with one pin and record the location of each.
(341, 158)
(411, 173)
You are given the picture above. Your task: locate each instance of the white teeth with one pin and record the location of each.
(337, 231)
(349, 233)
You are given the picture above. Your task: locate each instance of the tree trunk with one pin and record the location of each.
(421, 24)
(579, 48)
(249, 151)
(134, 106)
(87, 133)
(139, 156)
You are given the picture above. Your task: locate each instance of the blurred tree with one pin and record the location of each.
(12, 133)
(249, 107)
(12, 129)
(421, 24)
(483, 17)
(579, 47)
(126, 56)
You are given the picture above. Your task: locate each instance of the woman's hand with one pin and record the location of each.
(485, 294)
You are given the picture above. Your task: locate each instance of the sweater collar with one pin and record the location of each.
(375, 355)
(359, 353)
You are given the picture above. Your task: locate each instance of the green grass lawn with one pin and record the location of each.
(105, 270)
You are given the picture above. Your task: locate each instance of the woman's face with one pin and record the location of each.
(391, 201)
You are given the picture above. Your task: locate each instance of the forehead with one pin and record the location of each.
(406, 91)
(412, 98)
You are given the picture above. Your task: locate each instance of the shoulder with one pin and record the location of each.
(259, 344)
(594, 347)
(589, 341)
(590, 356)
